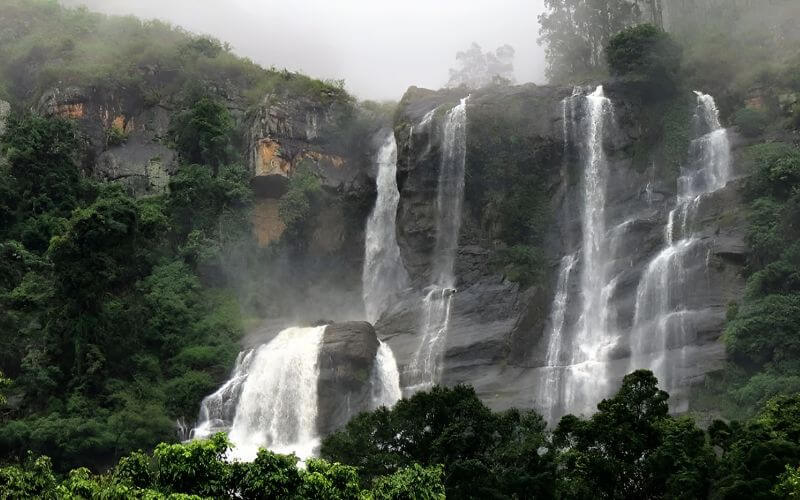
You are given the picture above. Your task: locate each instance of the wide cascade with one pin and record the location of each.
(664, 326)
(271, 398)
(426, 365)
(574, 376)
(383, 273)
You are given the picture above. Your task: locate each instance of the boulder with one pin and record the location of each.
(346, 362)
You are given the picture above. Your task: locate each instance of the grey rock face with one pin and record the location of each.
(496, 339)
(346, 360)
(140, 161)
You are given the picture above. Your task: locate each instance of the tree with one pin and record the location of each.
(204, 132)
(755, 454)
(645, 54)
(631, 448)
(479, 69)
(575, 33)
(484, 454)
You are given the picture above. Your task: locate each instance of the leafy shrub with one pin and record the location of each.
(644, 53)
(751, 122)
(116, 136)
(295, 205)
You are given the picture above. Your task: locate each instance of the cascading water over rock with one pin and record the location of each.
(664, 327)
(383, 273)
(574, 376)
(385, 378)
(270, 400)
(426, 365)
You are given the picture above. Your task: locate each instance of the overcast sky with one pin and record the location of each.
(379, 47)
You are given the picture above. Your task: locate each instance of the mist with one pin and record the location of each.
(378, 47)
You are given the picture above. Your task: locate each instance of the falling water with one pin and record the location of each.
(385, 378)
(383, 274)
(271, 399)
(450, 195)
(549, 390)
(426, 365)
(662, 322)
(586, 379)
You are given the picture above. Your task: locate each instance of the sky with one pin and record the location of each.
(379, 47)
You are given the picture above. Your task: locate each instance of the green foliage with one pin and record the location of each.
(506, 162)
(198, 199)
(761, 333)
(411, 483)
(789, 485)
(645, 54)
(32, 479)
(484, 454)
(195, 468)
(776, 170)
(4, 384)
(110, 332)
(116, 136)
(751, 122)
(755, 454)
(46, 45)
(44, 182)
(199, 469)
(631, 448)
(296, 205)
(203, 133)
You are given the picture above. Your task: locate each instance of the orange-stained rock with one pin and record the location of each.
(267, 223)
(73, 111)
(269, 160)
(336, 161)
(756, 102)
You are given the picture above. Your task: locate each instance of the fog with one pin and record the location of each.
(379, 47)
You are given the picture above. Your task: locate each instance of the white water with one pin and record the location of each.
(549, 390)
(586, 380)
(426, 366)
(383, 274)
(662, 323)
(450, 195)
(385, 379)
(271, 399)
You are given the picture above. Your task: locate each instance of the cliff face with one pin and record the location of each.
(497, 337)
(498, 331)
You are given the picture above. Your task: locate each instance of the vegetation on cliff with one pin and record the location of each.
(114, 324)
(46, 45)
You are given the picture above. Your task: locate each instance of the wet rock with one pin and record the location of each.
(346, 360)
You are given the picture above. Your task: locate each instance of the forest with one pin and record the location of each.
(119, 313)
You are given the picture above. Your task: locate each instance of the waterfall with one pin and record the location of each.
(548, 398)
(426, 365)
(574, 377)
(662, 322)
(450, 195)
(585, 379)
(271, 398)
(385, 379)
(384, 273)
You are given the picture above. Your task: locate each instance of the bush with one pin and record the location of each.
(751, 122)
(644, 53)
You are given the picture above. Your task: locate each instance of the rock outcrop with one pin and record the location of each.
(346, 361)
(496, 338)
(126, 135)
